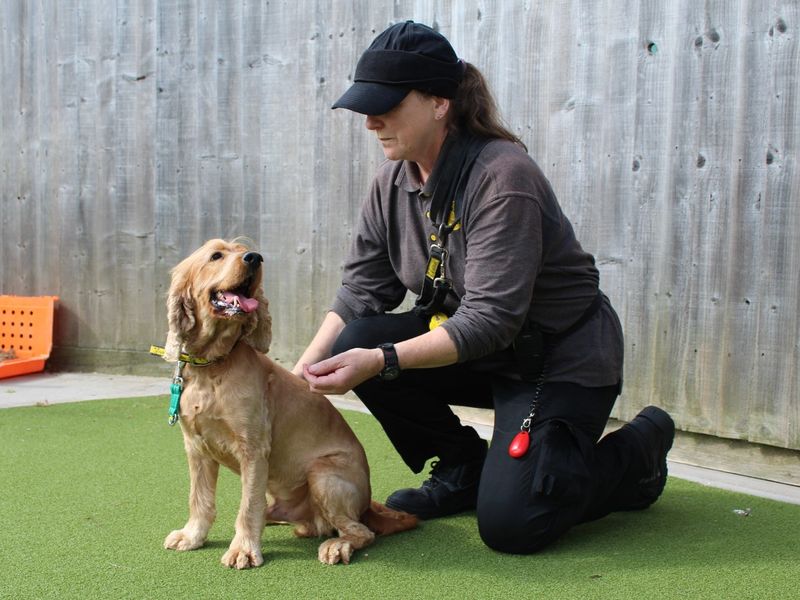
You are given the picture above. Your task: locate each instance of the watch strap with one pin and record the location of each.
(391, 364)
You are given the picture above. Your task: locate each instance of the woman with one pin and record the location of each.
(509, 314)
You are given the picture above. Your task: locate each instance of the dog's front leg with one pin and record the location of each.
(203, 472)
(245, 549)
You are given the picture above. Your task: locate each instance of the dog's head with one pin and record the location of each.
(215, 297)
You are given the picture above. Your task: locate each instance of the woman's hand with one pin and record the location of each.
(320, 346)
(341, 373)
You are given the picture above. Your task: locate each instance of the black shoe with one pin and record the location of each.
(654, 431)
(451, 489)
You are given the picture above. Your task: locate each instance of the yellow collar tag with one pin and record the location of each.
(192, 360)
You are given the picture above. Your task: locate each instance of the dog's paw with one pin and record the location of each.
(242, 556)
(181, 540)
(335, 550)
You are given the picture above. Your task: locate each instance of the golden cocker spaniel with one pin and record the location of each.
(299, 461)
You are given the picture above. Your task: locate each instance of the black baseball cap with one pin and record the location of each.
(406, 56)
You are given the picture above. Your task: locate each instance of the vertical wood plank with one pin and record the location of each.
(135, 167)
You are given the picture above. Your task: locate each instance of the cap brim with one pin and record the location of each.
(371, 98)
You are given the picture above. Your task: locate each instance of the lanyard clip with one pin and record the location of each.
(176, 389)
(444, 231)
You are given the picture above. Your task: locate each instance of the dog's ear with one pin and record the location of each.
(259, 335)
(180, 311)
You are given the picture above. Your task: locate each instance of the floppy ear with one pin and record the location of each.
(180, 312)
(259, 335)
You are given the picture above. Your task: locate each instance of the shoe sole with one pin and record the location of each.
(427, 515)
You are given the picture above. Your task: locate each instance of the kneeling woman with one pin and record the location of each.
(509, 314)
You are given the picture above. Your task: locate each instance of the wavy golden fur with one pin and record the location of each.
(299, 461)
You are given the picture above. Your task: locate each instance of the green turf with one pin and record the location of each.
(90, 490)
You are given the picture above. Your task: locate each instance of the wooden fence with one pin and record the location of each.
(133, 130)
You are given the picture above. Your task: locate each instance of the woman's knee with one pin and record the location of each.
(512, 518)
(525, 504)
(525, 530)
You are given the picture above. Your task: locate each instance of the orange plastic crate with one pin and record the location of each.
(26, 329)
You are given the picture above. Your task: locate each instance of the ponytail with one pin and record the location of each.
(473, 109)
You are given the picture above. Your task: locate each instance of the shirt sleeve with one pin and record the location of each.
(503, 257)
(370, 285)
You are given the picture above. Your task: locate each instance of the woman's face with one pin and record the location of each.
(411, 131)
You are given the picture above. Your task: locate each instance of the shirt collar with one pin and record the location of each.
(408, 179)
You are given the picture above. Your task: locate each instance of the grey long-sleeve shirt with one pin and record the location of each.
(515, 253)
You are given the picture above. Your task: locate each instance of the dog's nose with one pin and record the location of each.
(253, 259)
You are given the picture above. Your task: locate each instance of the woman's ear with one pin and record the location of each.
(440, 107)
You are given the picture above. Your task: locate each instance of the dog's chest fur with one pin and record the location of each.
(207, 406)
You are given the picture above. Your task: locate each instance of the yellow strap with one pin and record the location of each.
(436, 320)
(433, 268)
(192, 360)
(452, 219)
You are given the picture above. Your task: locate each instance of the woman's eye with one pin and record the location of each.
(216, 256)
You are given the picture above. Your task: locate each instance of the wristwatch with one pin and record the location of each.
(391, 366)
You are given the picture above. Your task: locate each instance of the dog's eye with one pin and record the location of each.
(216, 256)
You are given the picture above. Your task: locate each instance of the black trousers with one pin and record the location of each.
(565, 478)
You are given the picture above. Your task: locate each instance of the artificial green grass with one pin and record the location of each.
(90, 490)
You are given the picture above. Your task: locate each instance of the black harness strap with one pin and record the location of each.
(447, 209)
(595, 305)
(532, 345)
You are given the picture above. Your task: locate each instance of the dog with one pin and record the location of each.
(299, 461)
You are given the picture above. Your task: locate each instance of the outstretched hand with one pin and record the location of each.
(341, 373)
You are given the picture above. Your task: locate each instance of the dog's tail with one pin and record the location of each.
(385, 521)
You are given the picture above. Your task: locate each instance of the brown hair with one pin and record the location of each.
(474, 109)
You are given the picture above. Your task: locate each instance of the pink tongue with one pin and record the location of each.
(246, 304)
